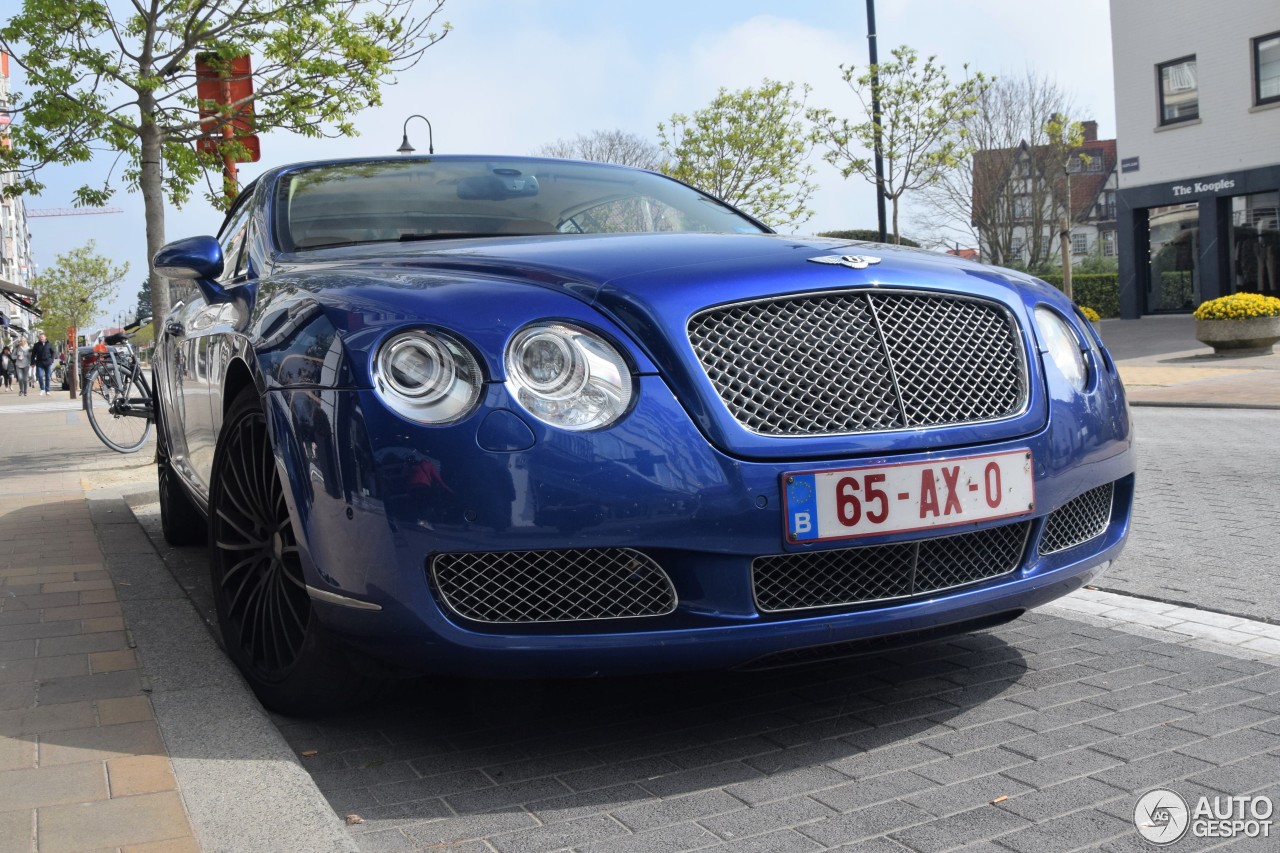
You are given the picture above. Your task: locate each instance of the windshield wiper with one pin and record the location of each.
(465, 235)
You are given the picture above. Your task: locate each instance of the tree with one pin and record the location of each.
(143, 311)
(920, 126)
(1007, 192)
(73, 290)
(749, 148)
(606, 146)
(98, 80)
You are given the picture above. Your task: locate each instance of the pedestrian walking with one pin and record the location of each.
(6, 368)
(42, 356)
(22, 364)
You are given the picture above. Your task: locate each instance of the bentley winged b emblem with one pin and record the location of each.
(857, 262)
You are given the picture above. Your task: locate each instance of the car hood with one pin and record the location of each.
(652, 284)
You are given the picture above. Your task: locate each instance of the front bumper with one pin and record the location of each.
(378, 498)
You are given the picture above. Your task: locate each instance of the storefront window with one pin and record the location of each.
(1174, 283)
(1255, 243)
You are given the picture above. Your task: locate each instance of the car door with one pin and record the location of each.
(206, 327)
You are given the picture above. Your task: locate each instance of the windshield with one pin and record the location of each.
(458, 197)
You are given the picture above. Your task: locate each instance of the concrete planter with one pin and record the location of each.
(1255, 333)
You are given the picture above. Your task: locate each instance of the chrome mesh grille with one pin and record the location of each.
(839, 363)
(553, 586)
(883, 572)
(1078, 520)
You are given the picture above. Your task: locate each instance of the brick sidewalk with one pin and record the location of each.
(82, 763)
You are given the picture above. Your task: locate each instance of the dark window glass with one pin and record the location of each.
(1179, 91)
(1266, 69)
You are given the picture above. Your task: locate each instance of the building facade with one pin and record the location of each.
(16, 268)
(1020, 193)
(1197, 88)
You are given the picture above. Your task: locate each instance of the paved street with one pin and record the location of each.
(1037, 736)
(1207, 518)
(1066, 716)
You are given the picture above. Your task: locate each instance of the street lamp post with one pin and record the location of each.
(405, 147)
(876, 117)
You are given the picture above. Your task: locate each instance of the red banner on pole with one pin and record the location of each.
(221, 86)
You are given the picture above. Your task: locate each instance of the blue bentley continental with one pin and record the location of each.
(512, 416)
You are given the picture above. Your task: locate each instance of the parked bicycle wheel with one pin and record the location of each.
(121, 432)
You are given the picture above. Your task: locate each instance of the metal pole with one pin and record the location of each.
(875, 116)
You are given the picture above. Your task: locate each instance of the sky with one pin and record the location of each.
(516, 74)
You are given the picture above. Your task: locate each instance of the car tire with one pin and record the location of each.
(265, 614)
(181, 521)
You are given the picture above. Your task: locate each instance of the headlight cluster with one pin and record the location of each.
(427, 376)
(567, 376)
(1063, 346)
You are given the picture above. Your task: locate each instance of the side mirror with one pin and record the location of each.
(194, 257)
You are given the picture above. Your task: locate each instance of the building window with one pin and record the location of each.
(1108, 243)
(1016, 249)
(1179, 94)
(1023, 169)
(1266, 69)
(1079, 244)
(1021, 207)
(1107, 205)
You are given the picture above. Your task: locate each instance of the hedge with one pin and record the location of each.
(1100, 291)
(866, 235)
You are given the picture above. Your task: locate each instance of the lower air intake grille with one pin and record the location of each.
(521, 587)
(1078, 520)
(884, 572)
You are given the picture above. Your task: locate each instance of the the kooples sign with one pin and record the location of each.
(1204, 187)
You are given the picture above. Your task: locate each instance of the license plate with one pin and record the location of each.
(873, 500)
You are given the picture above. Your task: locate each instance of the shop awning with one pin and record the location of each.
(21, 296)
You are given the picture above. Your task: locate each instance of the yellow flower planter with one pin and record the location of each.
(1237, 336)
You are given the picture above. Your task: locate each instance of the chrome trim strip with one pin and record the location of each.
(341, 600)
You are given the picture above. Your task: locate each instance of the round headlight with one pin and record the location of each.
(567, 376)
(1063, 346)
(427, 376)
(550, 366)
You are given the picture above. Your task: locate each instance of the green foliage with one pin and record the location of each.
(1100, 291)
(749, 148)
(1097, 263)
(920, 126)
(122, 77)
(143, 310)
(870, 235)
(98, 79)
(75, 287)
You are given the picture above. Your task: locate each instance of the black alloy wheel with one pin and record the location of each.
(265, 614)
(257, 568)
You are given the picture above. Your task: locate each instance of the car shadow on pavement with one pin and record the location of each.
(453, 751)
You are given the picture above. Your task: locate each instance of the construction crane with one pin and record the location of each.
(71, 211)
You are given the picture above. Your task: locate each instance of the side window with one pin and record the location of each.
(1266, 69)
(1179, 91)
(234, 242)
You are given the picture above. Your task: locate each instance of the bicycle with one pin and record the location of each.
(119, 402)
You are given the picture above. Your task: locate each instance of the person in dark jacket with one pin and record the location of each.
(42, 357)
(6, 368)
